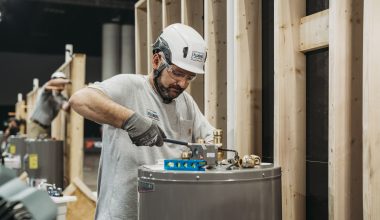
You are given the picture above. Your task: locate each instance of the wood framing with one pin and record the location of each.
(290, 107)
(84, 207)
(192, 15)
(216, 64)
(20, 113)
(314, 31)
(371, 113)
(154, 27)
(31, 99)
(58, 125)
(75, 122)
(20, 110)
(248, 73)
(345, 136)
(171, 12)
(141, 37)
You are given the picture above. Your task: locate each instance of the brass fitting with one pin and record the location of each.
(218, 136)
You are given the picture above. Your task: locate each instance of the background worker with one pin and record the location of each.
(140, 110)
(47, 106)
(13, 128)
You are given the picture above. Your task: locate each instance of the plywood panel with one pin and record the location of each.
(345, 132)
(216, 64)
(248, 77)
(371, 113)
(290, 107)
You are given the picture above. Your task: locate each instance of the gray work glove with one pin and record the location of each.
(143, 131)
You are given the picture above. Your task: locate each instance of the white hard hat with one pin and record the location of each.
(182, 46)
(58, 75)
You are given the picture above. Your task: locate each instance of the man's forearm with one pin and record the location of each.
(96, 106)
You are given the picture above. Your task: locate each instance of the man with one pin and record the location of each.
(47, 106)
(140, 111)
(13, 127)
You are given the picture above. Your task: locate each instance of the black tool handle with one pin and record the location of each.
(175, 142)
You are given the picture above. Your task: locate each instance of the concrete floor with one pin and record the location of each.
(90, 170)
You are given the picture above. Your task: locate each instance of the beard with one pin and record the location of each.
(167, 93)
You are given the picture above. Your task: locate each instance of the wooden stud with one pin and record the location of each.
(31, 99)
(154, 27)
(371, 113)
(75, 121)
(171, 12)
(216, 64)
(192, 15)
(314, 31)
(58, 125)
(248, 73)
(345, 103)
(290, 107)
(141, 37)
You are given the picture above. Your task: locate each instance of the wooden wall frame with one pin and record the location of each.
(216, 64)
(345, 109)
(371, 113)
(290, 107)
(248, 77)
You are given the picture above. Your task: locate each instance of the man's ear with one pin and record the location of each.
(156, 61)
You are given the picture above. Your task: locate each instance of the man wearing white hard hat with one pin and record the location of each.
(49, 101)
(138, 111)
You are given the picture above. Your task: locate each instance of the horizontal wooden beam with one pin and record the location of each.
(314, 31)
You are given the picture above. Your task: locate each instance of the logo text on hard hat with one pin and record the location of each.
(197, 56)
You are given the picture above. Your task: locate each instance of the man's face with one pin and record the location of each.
(173, 81)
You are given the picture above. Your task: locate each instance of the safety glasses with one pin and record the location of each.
(180, 76)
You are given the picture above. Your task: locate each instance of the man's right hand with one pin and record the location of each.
(143, 131)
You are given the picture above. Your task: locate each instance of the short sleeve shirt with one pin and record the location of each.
(181, 120)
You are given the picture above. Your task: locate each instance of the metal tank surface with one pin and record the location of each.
(17, 147)
(45, 161)
(240, 194)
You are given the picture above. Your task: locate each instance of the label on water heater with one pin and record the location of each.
(144, 187)
(12, 149)
(212, 155)
(33, 161)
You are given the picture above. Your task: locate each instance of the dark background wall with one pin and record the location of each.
(19, 69)
(33, 35)
(317, 75)
(268, 78)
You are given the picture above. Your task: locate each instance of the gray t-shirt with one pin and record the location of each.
(47, 106)
(117, 180)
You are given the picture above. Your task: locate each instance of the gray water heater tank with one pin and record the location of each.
(240, 194)
(45, 161)
(17, 147)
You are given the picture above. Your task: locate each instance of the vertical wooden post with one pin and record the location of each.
(345, 131)
(76, 122)
(371, 110)
(31, 99)
(58, 125)
(171, 12)
(216, 64)
(154, 27)
(20, 110)
(248, 72)
(141, 37)
(192, 15)
(290, 107)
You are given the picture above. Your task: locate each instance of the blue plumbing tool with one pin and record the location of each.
(185, 165)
